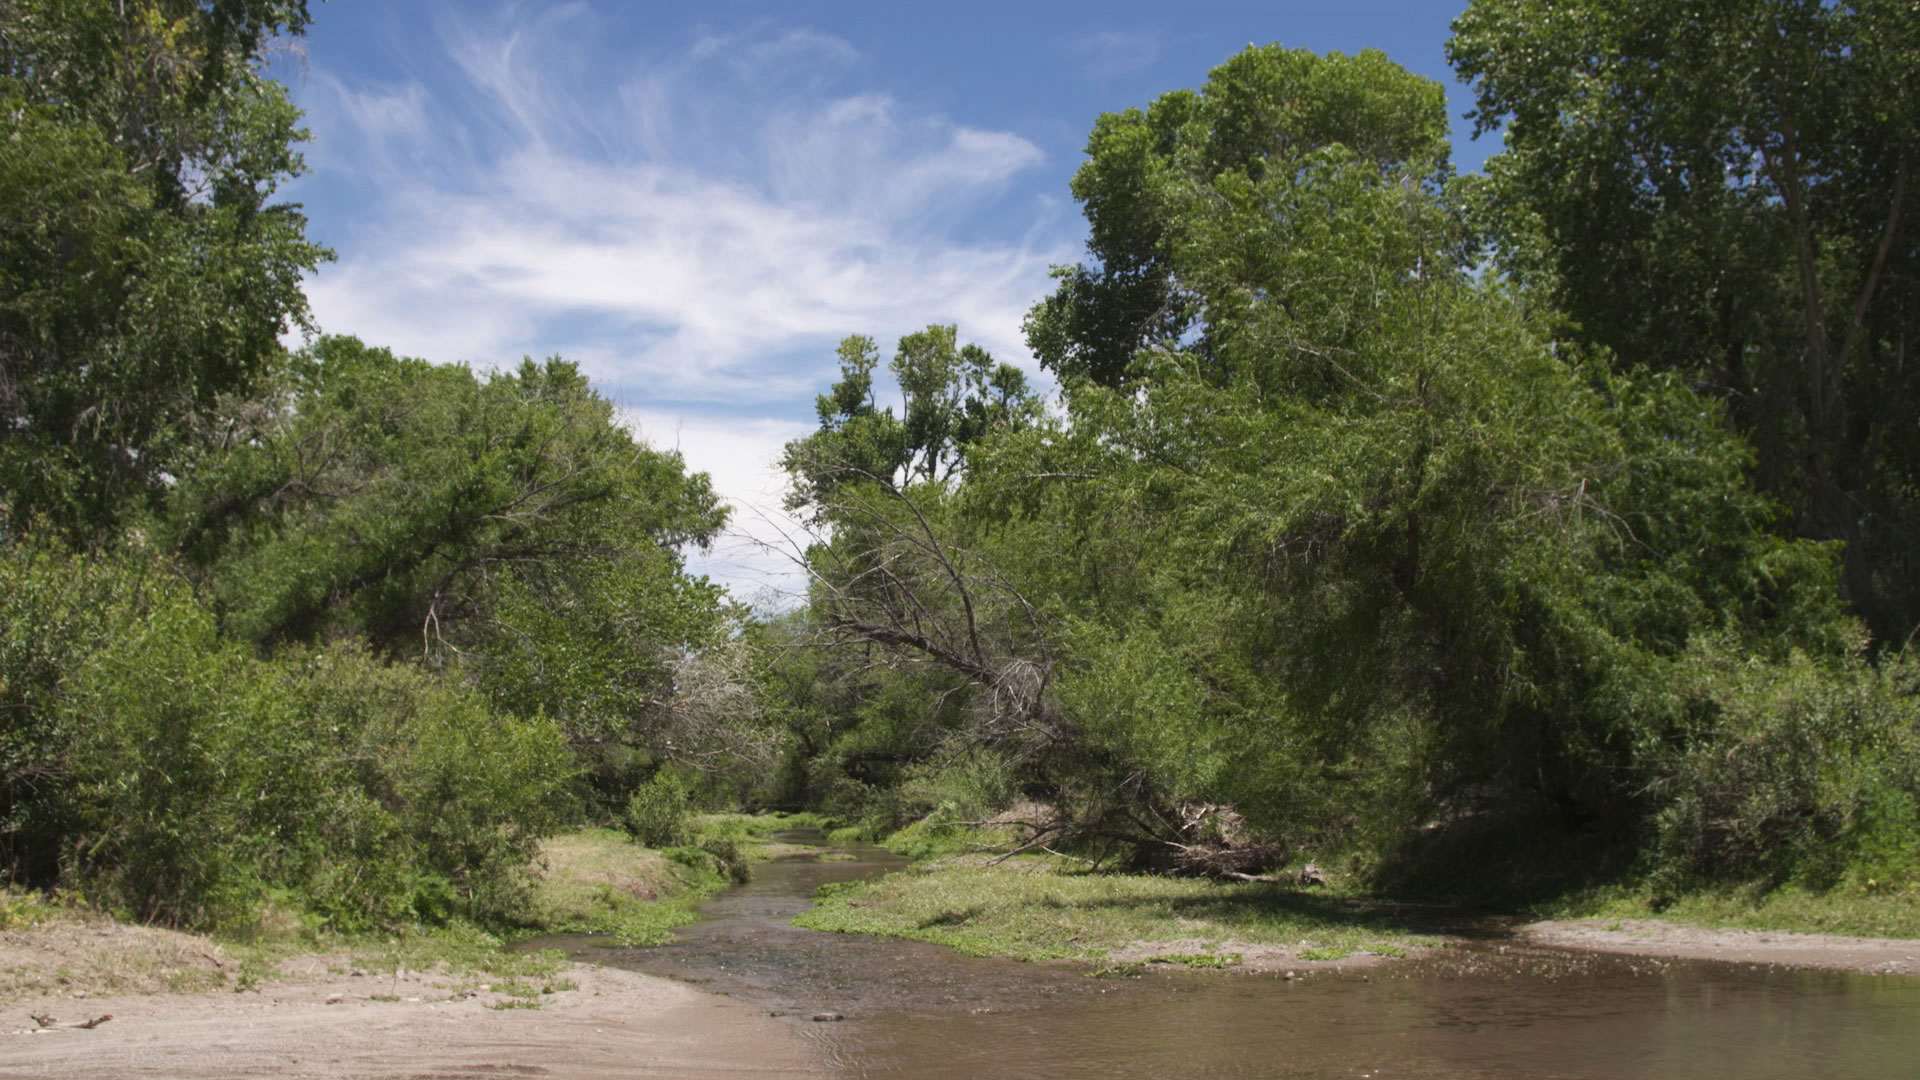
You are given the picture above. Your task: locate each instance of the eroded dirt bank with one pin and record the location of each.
(612, 1024)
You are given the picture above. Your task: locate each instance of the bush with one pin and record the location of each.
(657, 812)
(175, 776)
(730, 861)
(1794, 770)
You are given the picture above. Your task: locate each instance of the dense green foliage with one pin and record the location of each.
(1341, 543)
(144, 268)
(505, 526)
(1736, 203)
(339, 631)
(1384, 515)
(180, 778)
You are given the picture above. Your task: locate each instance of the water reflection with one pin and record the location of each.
(921, 1011)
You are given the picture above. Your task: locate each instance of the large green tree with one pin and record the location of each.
(954, 396)
(1263, 113)
(1351, 545)
(144, 267)
(1727, 191)
(503, 526)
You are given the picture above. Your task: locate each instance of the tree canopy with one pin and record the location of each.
(144, 267)
(1333, 536)
(1734, 202)
(1380, 511)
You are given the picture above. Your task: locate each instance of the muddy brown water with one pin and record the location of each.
(914, 1010)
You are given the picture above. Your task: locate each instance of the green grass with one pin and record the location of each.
(599, 881)
(747, 826)
(754, 831)
(1528, 863)
(1199, 960)
(1039, 909)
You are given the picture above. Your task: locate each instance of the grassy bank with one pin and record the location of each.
(599, 881)
(1532, 866)
(587, 880)
(1042, 909)
(1857, 912)
(56, 947)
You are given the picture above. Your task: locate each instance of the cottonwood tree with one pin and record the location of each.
(954, 396)
(145, 268)
(1351, 542)
(1727, 191)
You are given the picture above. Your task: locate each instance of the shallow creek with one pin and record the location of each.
(914, 1010)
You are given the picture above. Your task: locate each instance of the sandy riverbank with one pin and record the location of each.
(611, 1024)
(310, 1020)
(1651, 937)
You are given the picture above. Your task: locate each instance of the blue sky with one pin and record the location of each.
(697, 201)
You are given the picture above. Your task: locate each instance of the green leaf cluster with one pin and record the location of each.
(144, 267)
(173, 775)
(1727, 191)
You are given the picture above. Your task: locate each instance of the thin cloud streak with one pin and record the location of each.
(702, 232)
(1110, 54)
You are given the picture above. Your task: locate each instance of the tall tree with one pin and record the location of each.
(1352, 544)
(1727, 190)
(954, 396)
(144, 267)
(503, 526)
(1263, 113)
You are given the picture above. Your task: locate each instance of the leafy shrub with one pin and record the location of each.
(730, 861)
(467, 790)
(174, 775)
(657, 812)
(1794, 770)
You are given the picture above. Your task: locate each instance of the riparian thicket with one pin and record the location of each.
(1443, 525)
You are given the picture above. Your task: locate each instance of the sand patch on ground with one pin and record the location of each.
(418, 1025)
(1651, 937)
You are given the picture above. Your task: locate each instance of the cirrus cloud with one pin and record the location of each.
(697, 228)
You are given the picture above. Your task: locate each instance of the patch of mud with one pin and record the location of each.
(1652, 937)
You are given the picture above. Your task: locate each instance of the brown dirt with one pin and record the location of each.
(421, 1026)
(1627, 937)
(1651, 937)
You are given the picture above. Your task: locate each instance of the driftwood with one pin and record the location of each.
(1308, 875)
(47, 1021)
(1193, 840)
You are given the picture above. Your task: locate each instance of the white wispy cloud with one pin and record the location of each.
(699, 227)
(1112, 53)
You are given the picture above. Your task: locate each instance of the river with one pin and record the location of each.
(915, 1010)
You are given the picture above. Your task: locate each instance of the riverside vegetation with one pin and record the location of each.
(1530, 540)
